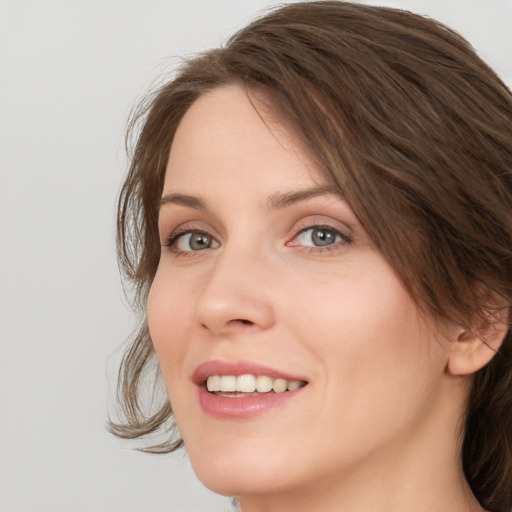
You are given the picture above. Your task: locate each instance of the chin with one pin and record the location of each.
(238, 472)
(248, 481)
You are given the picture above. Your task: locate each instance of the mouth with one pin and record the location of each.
(233, 386)
(242, 390)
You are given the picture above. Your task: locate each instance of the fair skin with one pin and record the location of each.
(256, 274)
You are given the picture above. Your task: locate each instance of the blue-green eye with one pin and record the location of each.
(319, 236)
(192, 241)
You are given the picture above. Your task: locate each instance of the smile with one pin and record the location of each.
(243, 390)
(233, 386)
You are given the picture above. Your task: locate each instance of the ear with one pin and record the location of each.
(474, 347)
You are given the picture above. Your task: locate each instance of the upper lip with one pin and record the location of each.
(236, 368)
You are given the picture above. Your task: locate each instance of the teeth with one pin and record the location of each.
(250, 384)
(227, 383)
(293, 385)
(213, 383)
(246, 383)
(264, 384)
(279, 385)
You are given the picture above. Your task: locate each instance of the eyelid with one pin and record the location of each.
(311, 222)
(316, 223)
(176, 226)
(167, 240)
(176, 235)
(322, 221)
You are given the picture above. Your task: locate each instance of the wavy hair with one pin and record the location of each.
(415, 129)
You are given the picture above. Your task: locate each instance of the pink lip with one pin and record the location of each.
(245, 407)
(236, 368)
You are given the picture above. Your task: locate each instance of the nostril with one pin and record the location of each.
(243, 321)
(233, 323)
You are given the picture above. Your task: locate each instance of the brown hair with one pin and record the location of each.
(414, 128)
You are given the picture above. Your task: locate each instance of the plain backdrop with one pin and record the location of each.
(70, 71)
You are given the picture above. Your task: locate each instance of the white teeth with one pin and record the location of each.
(250, 384)
(264, 384)
(246, 383)
(213, 383)
(293, 385)
(279, 385)
(227, 383)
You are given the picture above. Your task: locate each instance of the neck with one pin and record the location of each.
(401, 488)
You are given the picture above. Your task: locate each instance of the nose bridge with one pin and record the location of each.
(234, 296)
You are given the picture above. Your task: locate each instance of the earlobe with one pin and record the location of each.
(474, 348)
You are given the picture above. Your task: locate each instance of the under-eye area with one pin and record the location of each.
(318, 238)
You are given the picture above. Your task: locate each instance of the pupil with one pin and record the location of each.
(323, 237)
(200, 241)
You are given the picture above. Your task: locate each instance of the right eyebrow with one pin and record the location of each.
(279, 201)
(183, 200)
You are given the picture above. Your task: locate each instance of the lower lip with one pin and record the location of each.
(244, 407)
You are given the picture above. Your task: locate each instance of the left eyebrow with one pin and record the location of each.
(279, 201)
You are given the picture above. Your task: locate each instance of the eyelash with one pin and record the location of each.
(189, 230)
(344, 238)
(181, 232)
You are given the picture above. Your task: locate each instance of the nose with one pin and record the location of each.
(234, 297)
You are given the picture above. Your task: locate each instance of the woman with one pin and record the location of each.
(318, 222)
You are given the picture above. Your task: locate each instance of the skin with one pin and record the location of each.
(376, 427)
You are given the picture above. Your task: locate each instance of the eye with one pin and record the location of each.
(319, 237)
(191, 241)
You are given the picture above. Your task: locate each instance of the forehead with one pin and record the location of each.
(231, 130)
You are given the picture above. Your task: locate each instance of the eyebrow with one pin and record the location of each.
(273, 202)
(183, 200)
(279, 201)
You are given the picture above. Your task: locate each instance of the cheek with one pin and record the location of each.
(169, 315)
(368, 336)
(355, 309)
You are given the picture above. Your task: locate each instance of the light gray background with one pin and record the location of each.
(69, 72)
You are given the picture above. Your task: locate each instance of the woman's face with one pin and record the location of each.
(267, 275)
